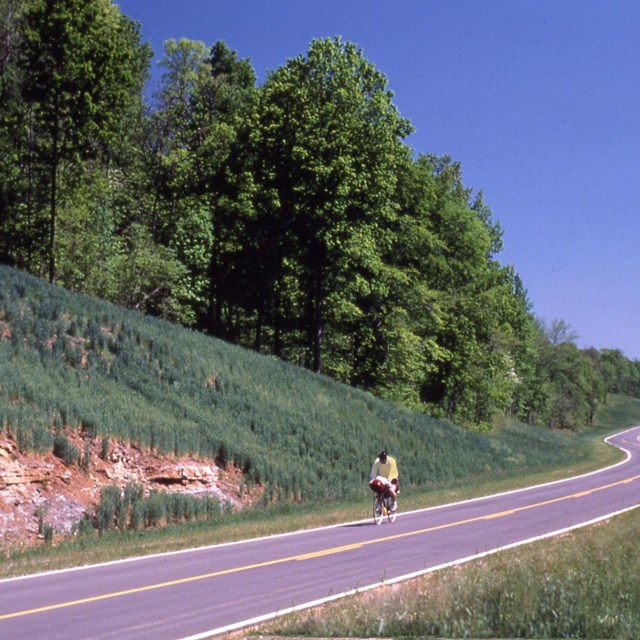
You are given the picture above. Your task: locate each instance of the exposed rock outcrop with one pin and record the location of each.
(36, 489)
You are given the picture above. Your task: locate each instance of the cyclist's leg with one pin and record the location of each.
(394, 489)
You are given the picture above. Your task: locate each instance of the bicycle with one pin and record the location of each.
(383, 503)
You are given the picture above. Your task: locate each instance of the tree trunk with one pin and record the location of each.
(318, 323)
(53, 207)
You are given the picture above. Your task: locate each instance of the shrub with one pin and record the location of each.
(108, 508)
(64, 449)
(104, 448)
(128, 509)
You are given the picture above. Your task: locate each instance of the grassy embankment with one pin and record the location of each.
(585, 584)
(68, 362)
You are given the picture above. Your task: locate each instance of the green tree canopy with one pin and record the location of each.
(199, 129)
(81, 67)
(329, 144)
(290, 217)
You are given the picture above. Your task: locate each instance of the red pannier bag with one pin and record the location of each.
(378, 486)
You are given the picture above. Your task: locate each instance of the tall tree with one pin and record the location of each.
(329, 142)
(201, 122)
(467, 314)
(82, 65)
(20, 231)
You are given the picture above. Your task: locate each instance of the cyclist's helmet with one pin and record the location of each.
(382, 456)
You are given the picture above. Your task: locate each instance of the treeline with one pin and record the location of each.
(290, 217)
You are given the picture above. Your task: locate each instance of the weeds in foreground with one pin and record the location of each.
(129, 510)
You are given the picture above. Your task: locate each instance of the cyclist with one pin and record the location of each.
(385, 469)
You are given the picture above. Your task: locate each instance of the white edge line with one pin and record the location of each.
(316, 603)
(327, 527)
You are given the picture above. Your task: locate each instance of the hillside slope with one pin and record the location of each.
(78, 375)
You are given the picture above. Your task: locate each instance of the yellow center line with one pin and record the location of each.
(328, 552)
(311, 555)
(150, 587)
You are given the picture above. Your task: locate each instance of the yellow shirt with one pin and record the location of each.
(388, 469)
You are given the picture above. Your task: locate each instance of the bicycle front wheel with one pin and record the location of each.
(378, 511)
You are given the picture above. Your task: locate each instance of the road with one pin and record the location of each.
(214, 590)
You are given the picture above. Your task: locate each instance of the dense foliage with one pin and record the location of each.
(68, 361)
(291, 218)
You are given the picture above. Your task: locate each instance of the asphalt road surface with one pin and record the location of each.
(214, 590)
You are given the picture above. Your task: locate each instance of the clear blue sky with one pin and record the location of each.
(539, 101)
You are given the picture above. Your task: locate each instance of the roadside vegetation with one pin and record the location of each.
(74, 363)
(620, 411)
(69, 362)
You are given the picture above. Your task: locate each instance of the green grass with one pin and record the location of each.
(618, 412)
(72, 362)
